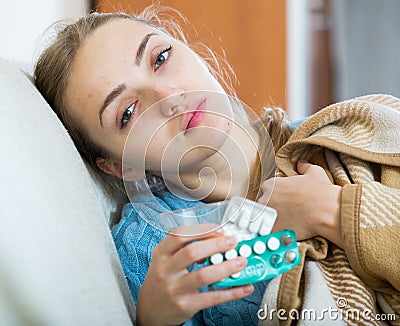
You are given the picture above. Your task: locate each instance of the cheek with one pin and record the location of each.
(218, 125)
(206, 81)
(191, 65)
(218, 120)
(158, 145)
(153, 156)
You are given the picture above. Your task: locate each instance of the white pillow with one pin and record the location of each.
(58, 263)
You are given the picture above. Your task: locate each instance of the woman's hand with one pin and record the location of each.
(169, 294)
(308, 203)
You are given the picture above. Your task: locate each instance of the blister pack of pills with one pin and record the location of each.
(268, 255)
(246, 219)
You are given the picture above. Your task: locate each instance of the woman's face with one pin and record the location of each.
(118, 78)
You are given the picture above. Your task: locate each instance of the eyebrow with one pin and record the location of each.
(142, 47)
(117, 91)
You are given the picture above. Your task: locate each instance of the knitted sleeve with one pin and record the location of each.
(135, 240)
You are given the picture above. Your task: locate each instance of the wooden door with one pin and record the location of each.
(252, 34)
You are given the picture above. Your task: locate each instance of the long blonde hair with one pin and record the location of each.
(53, 68)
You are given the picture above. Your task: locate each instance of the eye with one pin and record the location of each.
(162, 57)
(126, 116)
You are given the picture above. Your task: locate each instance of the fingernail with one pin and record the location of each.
(240, 261)
(230, 240)
(248, 288)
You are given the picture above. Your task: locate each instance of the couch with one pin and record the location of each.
(58, 263)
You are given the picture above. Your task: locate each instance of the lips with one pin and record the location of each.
(196, 114)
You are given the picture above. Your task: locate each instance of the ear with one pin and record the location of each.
(109, 166)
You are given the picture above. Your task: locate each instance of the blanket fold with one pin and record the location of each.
(357, 142)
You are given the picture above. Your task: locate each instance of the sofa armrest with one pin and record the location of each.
(58, 263)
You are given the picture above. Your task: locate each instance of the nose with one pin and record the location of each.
(169, 99)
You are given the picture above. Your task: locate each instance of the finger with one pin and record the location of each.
(264, 199)
(211, 274)
(202, 249)
(196, 230)
(304, 167)
(267, 187)
(216, 297)
(183, 235)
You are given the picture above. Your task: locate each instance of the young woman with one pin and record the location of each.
(107, 77)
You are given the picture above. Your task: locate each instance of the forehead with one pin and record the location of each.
(109, 50)
(115, 35)
(102, 59)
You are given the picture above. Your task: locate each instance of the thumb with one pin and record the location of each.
(303, 166)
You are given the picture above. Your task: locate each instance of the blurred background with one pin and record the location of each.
(300, 55)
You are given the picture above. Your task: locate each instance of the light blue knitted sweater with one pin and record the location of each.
(135, 240)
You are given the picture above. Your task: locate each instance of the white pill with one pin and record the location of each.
(237, 236)
(230, 254)
(217, 259)
(259, 247)
(273, 243)
(236, 275)
(245, 251)
(229, 226)
(290, 256)
(255, 225)
(266, 227)
(231, 213)
(247, 236)
(244, 219)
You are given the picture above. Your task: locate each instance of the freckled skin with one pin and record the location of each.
(155, 110)
(107, 59)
